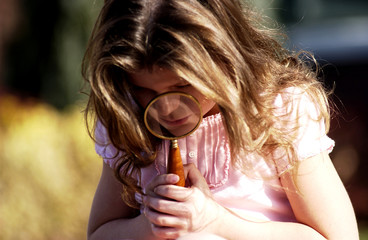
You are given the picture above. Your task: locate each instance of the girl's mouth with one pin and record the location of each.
(176, 122)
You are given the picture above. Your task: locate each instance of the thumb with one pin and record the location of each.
(194, 176)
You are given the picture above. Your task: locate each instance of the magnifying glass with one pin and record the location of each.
(172, 116)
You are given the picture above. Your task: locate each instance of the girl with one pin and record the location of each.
(256, 168)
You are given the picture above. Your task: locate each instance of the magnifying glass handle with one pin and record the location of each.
(175, 164)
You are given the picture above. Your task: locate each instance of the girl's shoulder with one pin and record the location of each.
(299, 116)
(103, 145)
(292, 98)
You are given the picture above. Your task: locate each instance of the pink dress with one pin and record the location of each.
(250, 197)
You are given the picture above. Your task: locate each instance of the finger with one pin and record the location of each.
(169, 207)
(195, 177)
(165, 232)
(163, 179)
(173, 192)
(163, 220)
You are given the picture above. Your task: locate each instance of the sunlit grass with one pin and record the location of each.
(48, 171)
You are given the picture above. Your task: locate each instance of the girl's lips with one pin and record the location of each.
(175, 123)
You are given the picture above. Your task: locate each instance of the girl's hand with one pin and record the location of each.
(176, 211)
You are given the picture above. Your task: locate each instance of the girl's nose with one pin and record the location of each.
(167, 104)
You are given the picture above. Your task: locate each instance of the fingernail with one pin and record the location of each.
(138, 198)
(174, 178)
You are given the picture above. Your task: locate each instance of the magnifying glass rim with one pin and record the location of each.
(167, 94)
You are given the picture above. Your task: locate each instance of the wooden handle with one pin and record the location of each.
(175, 164)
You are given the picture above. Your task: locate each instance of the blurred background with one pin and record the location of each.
(48, 167)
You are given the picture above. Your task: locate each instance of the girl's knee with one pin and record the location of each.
(196, 236)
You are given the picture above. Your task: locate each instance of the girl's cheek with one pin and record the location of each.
(208, 106)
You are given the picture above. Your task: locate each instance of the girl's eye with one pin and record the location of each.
(184, 86)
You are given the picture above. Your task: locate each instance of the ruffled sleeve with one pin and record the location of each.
(103, 146)
(311, 138)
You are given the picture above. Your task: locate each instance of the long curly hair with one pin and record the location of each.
(218, 46)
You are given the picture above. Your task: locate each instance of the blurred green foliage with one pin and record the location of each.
(48, 171)
(43, 57)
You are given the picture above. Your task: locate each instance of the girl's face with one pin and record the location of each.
(149, 84)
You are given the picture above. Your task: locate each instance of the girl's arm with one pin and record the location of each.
(323, 202)
(110, 218)
(322, 208)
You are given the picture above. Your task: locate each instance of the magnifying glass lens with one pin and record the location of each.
(173, 115)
